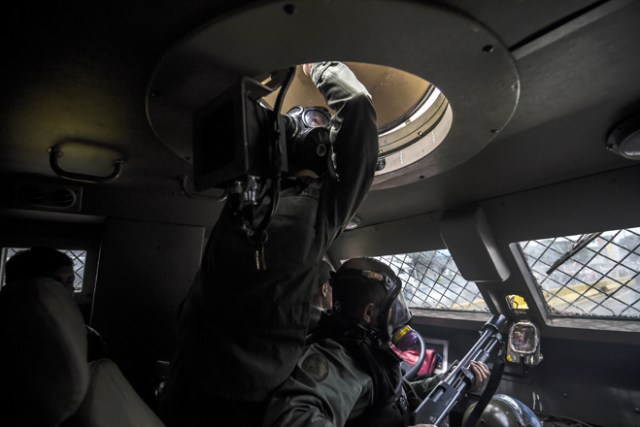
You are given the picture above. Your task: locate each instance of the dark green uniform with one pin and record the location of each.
(242, 330)
(349, 379)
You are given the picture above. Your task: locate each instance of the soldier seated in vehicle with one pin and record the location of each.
(349, 374)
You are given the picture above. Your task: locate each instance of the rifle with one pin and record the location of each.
(439, 402)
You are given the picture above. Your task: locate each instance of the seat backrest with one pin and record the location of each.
(44, 375)
(45, 379)
(111, 401)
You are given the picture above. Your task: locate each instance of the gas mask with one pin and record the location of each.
(399, 315)
(308, 142)
(394, 313)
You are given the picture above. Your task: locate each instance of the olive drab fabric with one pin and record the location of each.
(242, 331)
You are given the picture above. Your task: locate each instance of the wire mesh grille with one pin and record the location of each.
(77, 256)
(431, 280)
(592, 275)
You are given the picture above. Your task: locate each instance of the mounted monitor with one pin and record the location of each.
(231, 136)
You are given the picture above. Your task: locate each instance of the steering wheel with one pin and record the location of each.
(412, 370)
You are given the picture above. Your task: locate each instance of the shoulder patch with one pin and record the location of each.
(317, 366)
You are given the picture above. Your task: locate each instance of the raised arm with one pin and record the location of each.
(354, 134)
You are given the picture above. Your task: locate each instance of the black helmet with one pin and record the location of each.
(360, 278)
(504, 411)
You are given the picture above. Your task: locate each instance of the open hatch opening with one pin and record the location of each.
(414, 116)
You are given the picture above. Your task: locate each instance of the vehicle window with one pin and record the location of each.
(589, 275)
(431, 280)
(78, 257)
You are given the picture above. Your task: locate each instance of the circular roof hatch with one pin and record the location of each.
(446, 75)
(413, 115)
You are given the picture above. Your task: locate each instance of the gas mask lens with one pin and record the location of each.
(315, 117)
(302, 119)
(402, 335)
(400, 314)
(397, 309)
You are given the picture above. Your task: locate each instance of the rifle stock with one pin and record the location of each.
(439, 402)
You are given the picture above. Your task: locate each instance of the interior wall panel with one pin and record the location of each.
(145, 269)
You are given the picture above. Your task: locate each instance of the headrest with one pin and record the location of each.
(44, 374)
